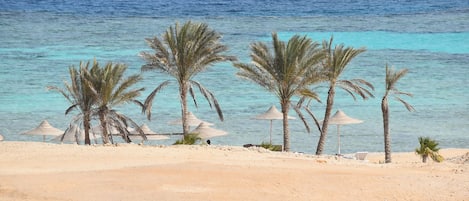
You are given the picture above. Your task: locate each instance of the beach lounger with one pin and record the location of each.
(361, 155)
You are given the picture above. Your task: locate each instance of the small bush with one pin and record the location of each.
(189, 139)
(271, 147)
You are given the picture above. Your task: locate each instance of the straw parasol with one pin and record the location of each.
(99, 130)
(44, 129)
(70, 135)
(340, 118)
(74, 134)
(204, 131)
(272, 114)
(151, 135)
(192, 120)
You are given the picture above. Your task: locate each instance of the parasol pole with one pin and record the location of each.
(338, 139)
(271, 131)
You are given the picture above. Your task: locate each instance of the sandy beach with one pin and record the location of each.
(53, 172)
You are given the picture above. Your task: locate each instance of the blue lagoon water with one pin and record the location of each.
(39, 40)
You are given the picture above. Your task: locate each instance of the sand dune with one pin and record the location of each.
(41, 171)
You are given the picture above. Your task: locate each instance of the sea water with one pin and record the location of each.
(40, 40)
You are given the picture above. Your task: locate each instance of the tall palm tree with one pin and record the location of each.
(288, 70)
(183, 52)
(334, 65)
(110, 89)
(79, 94)
(392, 77)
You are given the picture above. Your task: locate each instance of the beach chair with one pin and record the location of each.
(361, 155)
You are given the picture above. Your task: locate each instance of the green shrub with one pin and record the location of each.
(189, 139)
(271, 147)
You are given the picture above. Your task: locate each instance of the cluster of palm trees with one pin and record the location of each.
(291, 70)
(94, 91)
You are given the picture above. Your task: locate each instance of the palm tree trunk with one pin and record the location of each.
(325, 123)
(387, 136)
(104, 128)
(86, 125)
(424, 158)
(183, 96)
(286, 132)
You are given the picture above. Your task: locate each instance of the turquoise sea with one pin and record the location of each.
(39, 40)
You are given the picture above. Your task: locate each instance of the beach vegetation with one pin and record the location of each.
(270, 146)
(78, 93)
(392, 77)
(428, 148)
(286, 69)
(183, 52)
(336, 61)
(189, 139)
(110, 88)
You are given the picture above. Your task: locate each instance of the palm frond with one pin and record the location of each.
(210, 98)
(138, 103)
(191, 92)
(409, 107)
(310, 94)
(402, 93)
(147, 105)
(314, 118)
(69, 109)
(392, 77)
(301, 116)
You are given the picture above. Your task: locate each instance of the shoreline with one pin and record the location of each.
(44, 171)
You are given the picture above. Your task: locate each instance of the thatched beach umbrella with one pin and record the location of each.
(192, 120)
(272, 114)
(151, 135)
(204, 131)
(74, 134)
(44, 129)
(340, 118)
(99, 130)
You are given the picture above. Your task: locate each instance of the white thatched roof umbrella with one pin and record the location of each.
(204, 131)
(74, 134)
(99, 130)
(70, 135)
(192, 120)
(340, 118)
(44, 129)
(152, 135)
(272, 114)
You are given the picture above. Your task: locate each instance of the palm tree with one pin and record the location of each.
(334, 65)
(428, 147)
(78, 93)
(287, 70)
(111, 89)
(183, 52)
(392, 77)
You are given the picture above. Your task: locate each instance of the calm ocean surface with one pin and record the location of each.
(39, 40)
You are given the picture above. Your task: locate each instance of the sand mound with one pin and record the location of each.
(462, 159)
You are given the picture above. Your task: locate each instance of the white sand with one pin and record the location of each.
(40, 171)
